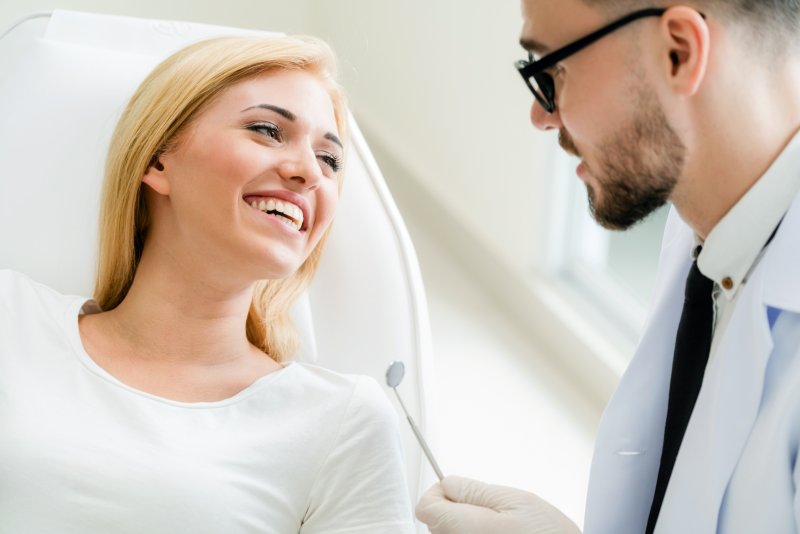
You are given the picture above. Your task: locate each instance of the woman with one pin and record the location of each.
(166, 404)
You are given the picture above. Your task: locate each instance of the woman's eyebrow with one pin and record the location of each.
(331, 137)
(277, 109)
(292, 117)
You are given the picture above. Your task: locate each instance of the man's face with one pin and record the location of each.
(637, 166)
(606, 113)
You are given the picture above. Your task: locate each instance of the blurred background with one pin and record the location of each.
(534, 309)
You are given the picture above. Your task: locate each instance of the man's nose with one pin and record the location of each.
(543, 120)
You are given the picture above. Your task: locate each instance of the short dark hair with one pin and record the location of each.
(766, 18)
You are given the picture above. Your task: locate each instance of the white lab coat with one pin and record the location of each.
(736, 472)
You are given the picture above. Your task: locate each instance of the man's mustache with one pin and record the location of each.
(567, 143)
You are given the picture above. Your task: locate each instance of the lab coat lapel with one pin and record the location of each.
(723, 416)
(781, 280)
(730, 397)
(629, 441)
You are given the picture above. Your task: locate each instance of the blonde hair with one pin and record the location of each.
(165, 103)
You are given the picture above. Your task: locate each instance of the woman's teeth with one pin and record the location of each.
(290, 214)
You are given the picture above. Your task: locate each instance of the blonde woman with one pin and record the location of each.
(167, 403)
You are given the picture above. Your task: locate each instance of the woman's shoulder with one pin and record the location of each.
(355, 392)
(15, 286)
(13, 282)
(363, 466)
(356, 383)
(9, 277)
(20, 295)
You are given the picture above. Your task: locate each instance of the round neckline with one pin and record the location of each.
(83, 306)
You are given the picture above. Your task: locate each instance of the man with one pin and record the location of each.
(696, 103)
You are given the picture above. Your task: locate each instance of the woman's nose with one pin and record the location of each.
(301, 168)
(543, 120)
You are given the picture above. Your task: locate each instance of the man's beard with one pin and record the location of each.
(639, 166)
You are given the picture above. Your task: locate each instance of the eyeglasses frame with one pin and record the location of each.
(535, 68)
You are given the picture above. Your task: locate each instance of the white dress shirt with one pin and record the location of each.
(738, 241)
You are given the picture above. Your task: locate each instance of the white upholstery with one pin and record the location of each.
(64, 79)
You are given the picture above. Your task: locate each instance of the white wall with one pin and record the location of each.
(433, 84)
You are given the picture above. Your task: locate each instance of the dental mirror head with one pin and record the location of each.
(395, 374)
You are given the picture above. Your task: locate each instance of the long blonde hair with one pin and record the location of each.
(165, 103)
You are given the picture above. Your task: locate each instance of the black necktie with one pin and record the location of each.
(692, 346)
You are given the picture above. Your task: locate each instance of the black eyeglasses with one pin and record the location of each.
(541, 83)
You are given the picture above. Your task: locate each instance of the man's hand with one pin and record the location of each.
(463, 506)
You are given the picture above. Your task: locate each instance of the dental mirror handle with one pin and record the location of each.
(425, 448)
(420, 439)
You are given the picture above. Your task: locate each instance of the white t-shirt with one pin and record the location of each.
(303, 449)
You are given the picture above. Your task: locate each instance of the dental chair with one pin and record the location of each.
(64, 80)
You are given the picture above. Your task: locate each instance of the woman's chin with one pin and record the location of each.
(278, 269)
(272, 259)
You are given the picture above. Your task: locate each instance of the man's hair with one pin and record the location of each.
(774, 21)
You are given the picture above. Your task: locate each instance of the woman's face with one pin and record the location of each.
(252, 184)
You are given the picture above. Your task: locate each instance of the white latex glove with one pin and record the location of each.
(460, 505)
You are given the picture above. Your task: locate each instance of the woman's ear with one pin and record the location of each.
(686, 46)
(156, 176)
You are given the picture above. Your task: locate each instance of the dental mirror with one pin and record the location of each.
(394, 375)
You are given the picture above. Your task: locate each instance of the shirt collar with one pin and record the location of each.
(734, 244)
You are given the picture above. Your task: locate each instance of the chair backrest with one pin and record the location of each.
(64, 79)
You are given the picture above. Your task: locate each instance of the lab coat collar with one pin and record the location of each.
(782, 258)
(734, 244)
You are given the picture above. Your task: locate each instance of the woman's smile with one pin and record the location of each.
(286, 213)
(290, 208)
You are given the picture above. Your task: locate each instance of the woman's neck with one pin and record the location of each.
(177, 335)
(174, 312)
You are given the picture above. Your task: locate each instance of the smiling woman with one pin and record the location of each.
(155, 128)
(177, 410)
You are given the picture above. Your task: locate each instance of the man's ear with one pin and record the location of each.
(156, 176)
(686, 46)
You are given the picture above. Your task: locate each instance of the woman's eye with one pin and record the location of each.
(266, 129)
(331, 160)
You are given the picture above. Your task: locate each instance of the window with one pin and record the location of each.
(614, 271)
